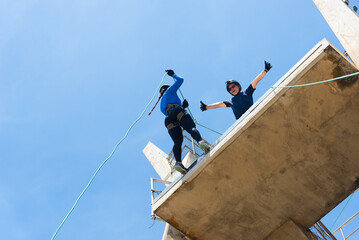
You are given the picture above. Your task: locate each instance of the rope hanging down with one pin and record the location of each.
(315, 83)
(129, 129)
(99, 168)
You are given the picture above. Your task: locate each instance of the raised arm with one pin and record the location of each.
(205, 107)
(267, 67)
(178, 80)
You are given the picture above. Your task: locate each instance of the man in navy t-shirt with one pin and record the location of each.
(241, 101)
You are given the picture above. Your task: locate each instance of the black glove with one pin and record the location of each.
(170, 72)
(185, 104)
(203, 106)
(267, 66)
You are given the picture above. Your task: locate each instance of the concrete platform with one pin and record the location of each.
(292, 158)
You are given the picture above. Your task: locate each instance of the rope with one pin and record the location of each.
(187, 107)
(153, 223)
(315, 83)
(331, 228)
(302, 85)
(320, 82)
(103, 163)
(189, 110)
(129, 129)
(208, 128)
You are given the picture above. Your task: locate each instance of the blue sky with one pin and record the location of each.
(74, 75)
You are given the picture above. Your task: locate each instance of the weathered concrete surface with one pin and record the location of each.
(290, 231)
(295, 155)
(172, 233)
(345, 24)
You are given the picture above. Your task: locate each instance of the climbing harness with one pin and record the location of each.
(179, 115)
(170, 126)
(171, 106)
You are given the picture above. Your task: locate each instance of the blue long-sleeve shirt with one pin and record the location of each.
(170, 96)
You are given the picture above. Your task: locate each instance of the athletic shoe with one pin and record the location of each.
(204, 146)
(180, 168)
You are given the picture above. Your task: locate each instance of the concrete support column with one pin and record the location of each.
(290, 231)
(171, 233)
(345, 24)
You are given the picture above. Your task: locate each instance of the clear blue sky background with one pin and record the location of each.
(74, 75)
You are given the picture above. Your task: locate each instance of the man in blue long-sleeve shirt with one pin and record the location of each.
(178, 118)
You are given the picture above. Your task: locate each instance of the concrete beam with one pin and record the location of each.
(159, 160)
(345, 24)
(172, 233)
(290, 231)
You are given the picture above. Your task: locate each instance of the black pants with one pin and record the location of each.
(176, 134)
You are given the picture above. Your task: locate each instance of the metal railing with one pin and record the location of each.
(321, 232)
(344, 224)
(153, 191)
(171, 163)
(192, 150)
(171, 156)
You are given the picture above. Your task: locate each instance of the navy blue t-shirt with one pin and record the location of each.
(241, 102)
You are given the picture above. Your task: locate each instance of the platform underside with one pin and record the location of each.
(295, 155)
